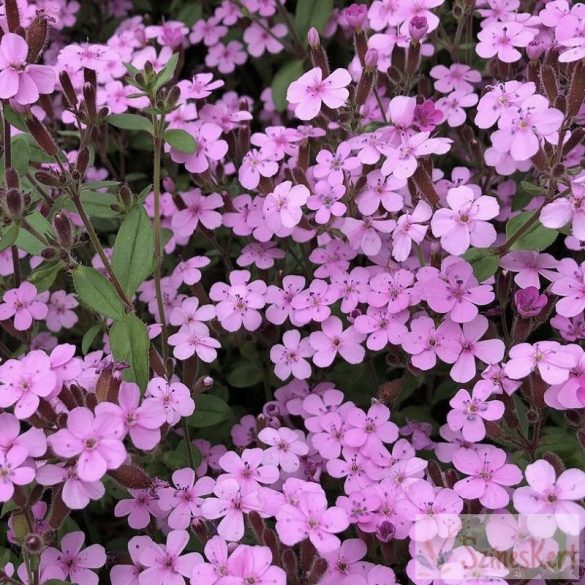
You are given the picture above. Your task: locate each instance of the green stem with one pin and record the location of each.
(158, 127)
(294, 35)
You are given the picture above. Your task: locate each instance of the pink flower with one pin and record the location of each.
(166, 564)
(456, 77)
(409, 229)
(332, 166)
(248, 470)
(209, 147)
(332, 339)
(60, 314)
(19, 80)
(280, 299)
(129, 574)
(488, 351)
(548, 357)
(368, 431)
(392, 291)
(452, 107)
(25, 381)
(184, 500)
(283, 206)
(529, 302)
(230, 505)
(550, 501)
(141, 421)
(226, 57)
(502, 38)
(502, 98)
(259, 40)
(313, 304)
(216, 552)
(382, 327)
(310, 90)
(435, 511)
(425, 342)
(139, 509)
(22, 303)
(572, 289)
(94, 438)
(254, 165)
(529, 266)
(289, 357)
(75, 563)
(252, 564)
(326, 202)
(364, 234)
(567, 209)
(345, 565)
(469, 411)
(488, 472)
(286, 446)
(13, 472)
(466, 222)
(200, 86)
(33, 440)
(198, 209)
(174, 398)
(457, 293)
(310, 518)
(238, 302)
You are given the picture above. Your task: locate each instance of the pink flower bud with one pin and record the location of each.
(535, 49)
(313, 37)
(529, 302)
(356, 15)
(418, 27)
(371, 58)
(168, 184)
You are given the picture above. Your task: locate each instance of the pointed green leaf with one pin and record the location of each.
(180, 140)
(130, 122)
(283, 78)
(132, 255)
(130, 343)
(311, 13)
(537, 237)
(97, 292)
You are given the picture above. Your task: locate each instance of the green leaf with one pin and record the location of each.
(130, 122)
(21, 153)
(89, 337)
(95, 204)
(8, 236)
(283, 78)
(190, 14)
(180, 140)
(27, 241)
(209, 411)
(483, 261)
(130, 343)
(179, 458)
(244, 375)
(537, 237)
(312, 13)
(94, 185)
(132, 255)
(44, 276)
(15, 119)
(531, 188)
(97, 292)
(167, 73)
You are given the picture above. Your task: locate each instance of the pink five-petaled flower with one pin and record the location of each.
(184, 500)
(129, 574)
(488, 472)
(141, 421)
(252, 565)
(76, 564)
(94, 438)
(22, 304)
(529, 302)
(310, 90)
(23, 382)
(248, 469)
(165, 564)
(230, 504)
(13, 472)
(553, 363)
(286, 446)
(469, 412)
(502, 38)
(332, 339)
(409, 229)
(198, 208)
(209, 147)
(139, 508)
(19, 80)
(289, 357)
(550, 501)
(175, 398)
(239, 301)
(458, 293)
(369, 430)
(310, 518)
(282, 207)
(466, 222)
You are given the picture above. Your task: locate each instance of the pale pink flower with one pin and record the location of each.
(198, 208)
(333, 339)
(289, 357)
(548, 357)
(139, 509)
(254, 165)
(24, 304)
(286, 446)
(310, 90)
(409, 228)
(175, 398)
(283, 206)
(13, 472)
(502, 38)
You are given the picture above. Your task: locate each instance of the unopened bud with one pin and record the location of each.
(36, 36)
(317, 52)
(14, 203)
(82, 160)
(555, 461)
(12, 15)
(418, 27)
(131, 477)
(89, 96)
(313, 38)
(67, 88)
(11, 178)
(34, 544)
(126, 196)
(289, 562)
(576, 94)
(356, 15)
(41, 135)
(172, 98)
(425, 184)
(535, 49)
(63, 230)
(90, 76)
(317, 571)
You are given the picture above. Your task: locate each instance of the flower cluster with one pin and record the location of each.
(290, 292)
